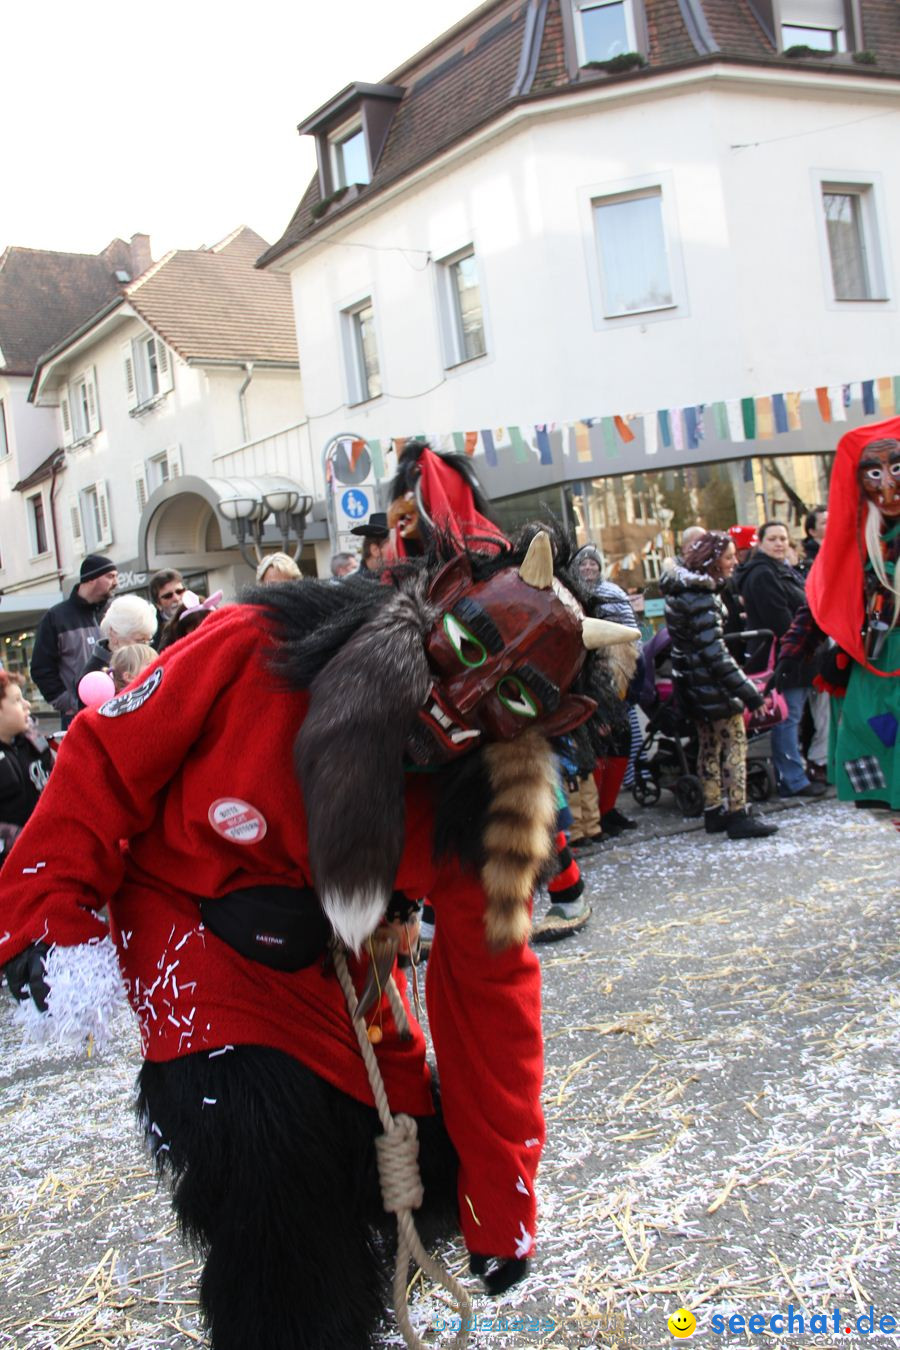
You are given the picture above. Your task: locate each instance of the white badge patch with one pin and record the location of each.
(132, 699)
(238, 821)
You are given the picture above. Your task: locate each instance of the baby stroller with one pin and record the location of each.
(667, 758)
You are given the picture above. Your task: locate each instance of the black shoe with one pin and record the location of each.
(811, 790)
(715, 820)
(617, 820)
(742, 825)
(610, 828)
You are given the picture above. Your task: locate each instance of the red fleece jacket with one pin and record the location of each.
(216, 729)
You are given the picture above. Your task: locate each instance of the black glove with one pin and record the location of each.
(572, 781)
(834, 665)
(755, 702)
(497, 1273)
(784, 676)
(27, 969)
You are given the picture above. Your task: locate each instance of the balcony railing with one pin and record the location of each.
(284, 452)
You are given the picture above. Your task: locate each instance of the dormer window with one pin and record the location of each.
(349, 157)
(603, 29)
(351, 131)
(819, 24)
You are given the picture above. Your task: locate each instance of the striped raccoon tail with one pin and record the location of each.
(518, 833)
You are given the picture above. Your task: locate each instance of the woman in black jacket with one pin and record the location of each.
(711, 687)
(773, 591)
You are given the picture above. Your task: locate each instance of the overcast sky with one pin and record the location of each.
(178, 119)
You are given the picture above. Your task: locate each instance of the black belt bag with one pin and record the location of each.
(283, 927)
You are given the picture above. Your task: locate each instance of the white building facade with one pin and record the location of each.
(693, 234)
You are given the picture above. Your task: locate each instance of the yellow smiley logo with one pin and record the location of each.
(682, 1323)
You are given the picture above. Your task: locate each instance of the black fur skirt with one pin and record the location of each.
(273, 1177)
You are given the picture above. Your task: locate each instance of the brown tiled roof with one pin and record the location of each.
(213, 305)
(466, 80)
(46, 295)
(737, 29)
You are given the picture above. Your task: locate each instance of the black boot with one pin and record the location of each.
(715, 819)
(619, 822)
(742, 825)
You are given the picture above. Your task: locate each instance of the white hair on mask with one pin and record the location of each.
(872, 532)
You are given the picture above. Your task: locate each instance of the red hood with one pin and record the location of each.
(835, 587)
(449, 501)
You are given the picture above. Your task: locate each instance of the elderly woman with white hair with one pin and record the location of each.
(128, 619)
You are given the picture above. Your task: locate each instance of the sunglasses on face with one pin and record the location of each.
(170, 595)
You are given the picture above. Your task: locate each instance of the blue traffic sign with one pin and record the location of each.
(355, 504)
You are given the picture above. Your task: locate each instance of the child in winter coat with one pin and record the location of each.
(25, 762)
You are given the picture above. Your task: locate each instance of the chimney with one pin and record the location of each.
(141, 257)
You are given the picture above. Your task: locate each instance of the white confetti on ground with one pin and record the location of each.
(722, 1109)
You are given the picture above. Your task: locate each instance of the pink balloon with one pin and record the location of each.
(95, 688)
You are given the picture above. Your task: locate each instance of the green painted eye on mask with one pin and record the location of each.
(514, 696)
(470, 651)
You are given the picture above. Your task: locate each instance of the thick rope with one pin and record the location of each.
(397, 1151)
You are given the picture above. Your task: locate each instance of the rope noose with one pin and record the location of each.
(397, 1151)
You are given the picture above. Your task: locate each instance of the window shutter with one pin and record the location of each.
(140, 484)
(130, 381)
(173, 458)
(164, 366)
(66, 415)
(90, 381)
(75, 523)
(103, 509)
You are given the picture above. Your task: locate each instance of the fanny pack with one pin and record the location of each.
(283, 927)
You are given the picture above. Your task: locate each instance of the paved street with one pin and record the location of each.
(722, 1114)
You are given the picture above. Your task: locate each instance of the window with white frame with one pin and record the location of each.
(4, 434)
(349, 156)
(851, 228)
(79, 408)
(361, 350)
(152, 473)
(819, 24)
(603, 29)
(37, 525)
(89, 516)
(462, 315)
(633, 257)
(148, 370)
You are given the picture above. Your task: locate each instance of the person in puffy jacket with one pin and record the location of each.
(773, 592)
(711, 687)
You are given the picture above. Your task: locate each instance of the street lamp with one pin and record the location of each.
(248, 514)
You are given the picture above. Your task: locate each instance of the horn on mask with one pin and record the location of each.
(601, 633)
(537, 565)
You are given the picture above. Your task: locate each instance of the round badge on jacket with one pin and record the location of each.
(237, 821)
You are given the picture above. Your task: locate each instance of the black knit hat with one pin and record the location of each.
(94, 566)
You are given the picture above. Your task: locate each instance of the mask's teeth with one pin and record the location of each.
(458, 736)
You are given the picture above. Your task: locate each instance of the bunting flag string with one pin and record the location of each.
(599, 440)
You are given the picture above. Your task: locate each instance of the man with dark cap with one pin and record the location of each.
(66, 635)
(373, 534)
